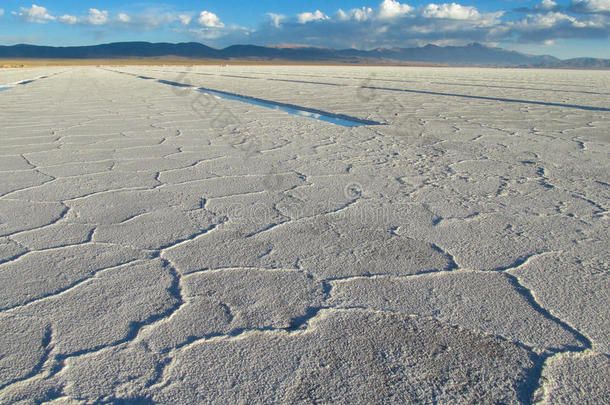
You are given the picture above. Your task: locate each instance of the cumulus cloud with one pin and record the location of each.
(362, 14)
(97, 17)
(276, 19)
(590, 6)
(556, 25)
(144, 21)
(357, 14)
(35, 14)
(124, 18)
(68, 19)
(542, 7)
(547, 5)
(452, 11)
(551, 19)
(393, 9)
(185, 19)
(304, 18)
(210, 20)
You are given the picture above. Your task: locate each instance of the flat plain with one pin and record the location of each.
(162, 244)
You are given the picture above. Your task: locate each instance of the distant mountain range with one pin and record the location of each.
(470, 55)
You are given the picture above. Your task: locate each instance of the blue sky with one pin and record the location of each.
(565, 29)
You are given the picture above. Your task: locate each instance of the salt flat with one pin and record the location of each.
(162, 245)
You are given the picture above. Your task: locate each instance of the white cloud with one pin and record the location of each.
(357, 14)
(124, 18)
(146, 21)
(138, 22)
(542, 7)
(547, 5)
(276, 19)
(185, 19)
(304, 18)
(35, 14)
(210, 20)
(590, 6)
(539, 28)
(97, 17)
(362, 14)
(341, 15)
(547, 20)
(1, 12)
(68, 19)
(451, 11)
(393, 9)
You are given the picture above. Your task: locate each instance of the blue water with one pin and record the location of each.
(174, 83)
(23, 83)
(336, 119)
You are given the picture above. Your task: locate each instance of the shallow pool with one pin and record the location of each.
(337, 119)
